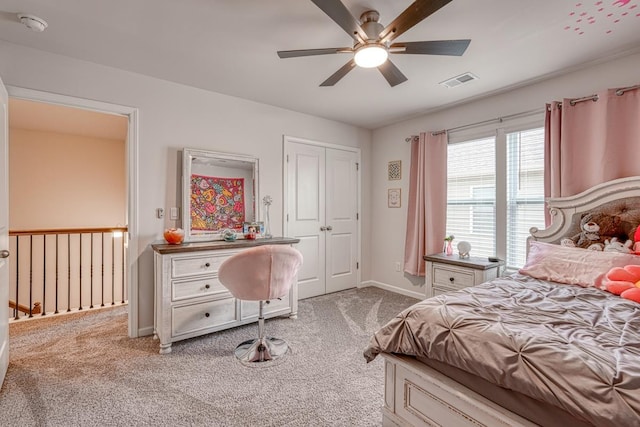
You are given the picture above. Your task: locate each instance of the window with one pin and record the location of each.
(495, 192)
(471, 195)
(525, 190)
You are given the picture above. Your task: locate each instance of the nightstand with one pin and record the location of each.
(446, 273)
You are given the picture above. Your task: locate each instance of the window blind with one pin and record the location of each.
(484, 173)
(525, 191)
(471, 194)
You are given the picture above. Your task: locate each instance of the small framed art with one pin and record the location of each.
(394, 199)
(253, 229)
(394, 170)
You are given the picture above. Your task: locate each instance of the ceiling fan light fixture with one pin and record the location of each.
(371, 55)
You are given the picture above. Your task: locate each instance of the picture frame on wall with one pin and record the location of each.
(394, 170)
(394, 197)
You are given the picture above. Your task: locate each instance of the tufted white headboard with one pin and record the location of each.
(621, 196)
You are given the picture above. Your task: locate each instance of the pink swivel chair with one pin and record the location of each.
(261, 274)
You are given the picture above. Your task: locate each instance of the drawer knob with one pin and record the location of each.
(207, 286)
(206, 315)
(451, 279)
(207, 265)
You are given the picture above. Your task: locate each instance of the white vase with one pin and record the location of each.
(267, 223)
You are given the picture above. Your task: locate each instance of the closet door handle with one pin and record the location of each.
(329, 228)
(323, 228)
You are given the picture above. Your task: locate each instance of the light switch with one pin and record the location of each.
(174, 214)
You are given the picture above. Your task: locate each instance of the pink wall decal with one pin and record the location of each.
(609, 13)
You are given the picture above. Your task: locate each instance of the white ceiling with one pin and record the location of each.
(229, 46)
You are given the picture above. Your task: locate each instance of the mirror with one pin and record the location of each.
(219, 191)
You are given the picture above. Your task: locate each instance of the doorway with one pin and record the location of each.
(130, 237)
(322, 205)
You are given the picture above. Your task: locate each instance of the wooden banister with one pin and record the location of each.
(37, 309)
(67, 231)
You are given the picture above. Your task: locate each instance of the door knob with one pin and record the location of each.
(329, 228)
(323, 228)
(4, 253)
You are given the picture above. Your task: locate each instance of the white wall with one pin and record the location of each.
(65, 181)
(174, 116)
(389, 144)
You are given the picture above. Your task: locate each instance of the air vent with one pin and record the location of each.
(459, 80)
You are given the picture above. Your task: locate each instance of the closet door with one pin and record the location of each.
(322, 205)
(306, 214)
(342, 223)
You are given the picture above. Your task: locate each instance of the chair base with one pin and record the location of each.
(255, 351)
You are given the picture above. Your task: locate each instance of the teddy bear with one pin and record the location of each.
(595, 228)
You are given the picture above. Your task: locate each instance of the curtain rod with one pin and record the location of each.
(574, 101)
(484, 122)
(594, 98)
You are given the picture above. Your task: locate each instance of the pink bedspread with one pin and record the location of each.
(575, 348)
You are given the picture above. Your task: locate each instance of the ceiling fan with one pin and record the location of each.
(373, 45)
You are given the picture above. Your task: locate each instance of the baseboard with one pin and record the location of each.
(4, 357)
(391, 288)
(143, 332)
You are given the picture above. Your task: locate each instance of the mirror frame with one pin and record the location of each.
(188, 155)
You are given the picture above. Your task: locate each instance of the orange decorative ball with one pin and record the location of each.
(174, 236)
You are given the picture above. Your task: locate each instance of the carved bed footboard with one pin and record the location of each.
(417, 395)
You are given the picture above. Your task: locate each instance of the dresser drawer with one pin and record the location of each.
(251, 308)
(197, 265)
(195, 317)
(185, 289)
(452, 278)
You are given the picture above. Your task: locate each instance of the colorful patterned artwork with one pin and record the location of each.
(217, 203)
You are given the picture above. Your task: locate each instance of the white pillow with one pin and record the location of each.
(573, 266)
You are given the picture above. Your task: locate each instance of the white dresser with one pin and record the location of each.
(446, 273)
(190, 300)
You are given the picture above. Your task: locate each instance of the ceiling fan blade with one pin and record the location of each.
(435, 47)
(415, 13)
(390, 72)
(312, 52)
(335, 77)
(341, 15)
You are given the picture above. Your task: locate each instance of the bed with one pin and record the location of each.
(548, 345)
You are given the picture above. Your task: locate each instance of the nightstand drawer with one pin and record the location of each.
(452, 278)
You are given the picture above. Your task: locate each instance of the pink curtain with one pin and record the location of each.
(591, 142)
(426, 216)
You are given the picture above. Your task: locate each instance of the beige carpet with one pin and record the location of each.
(83, 370)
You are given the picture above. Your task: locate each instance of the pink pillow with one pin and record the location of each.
(573, 266)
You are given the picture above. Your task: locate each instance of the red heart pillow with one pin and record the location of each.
(624, 281)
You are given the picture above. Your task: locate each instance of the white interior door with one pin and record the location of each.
(4, 233)
(341, 219)
(322, 211)
(306, 215)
